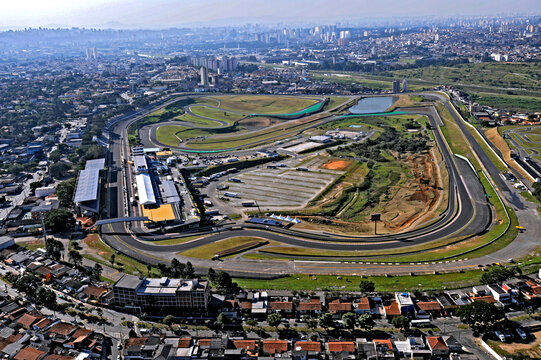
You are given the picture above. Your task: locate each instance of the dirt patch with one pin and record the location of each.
(257, 123)
(336, 164)
(531, 349)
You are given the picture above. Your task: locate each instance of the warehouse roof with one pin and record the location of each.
(95, 164)
(87, 185)
(170, 192)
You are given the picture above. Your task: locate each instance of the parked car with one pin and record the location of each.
(522, 334)
(499, 335)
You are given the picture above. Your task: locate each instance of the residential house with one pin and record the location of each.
(275, 347)
(437, 346)
(337, 307)
(312, 307)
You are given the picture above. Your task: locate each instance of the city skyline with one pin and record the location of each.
(173, 13)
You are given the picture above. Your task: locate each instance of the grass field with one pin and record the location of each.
(264, 104)
(509, 102)
(483, 76)
(351, 283)
(213, 113)
(101, 253)
(208, 251)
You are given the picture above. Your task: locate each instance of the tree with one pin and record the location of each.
(326, 321)
(46, 297)
(54, 248)
(499, 274)
(64, 192)
(223, 280)
(75, 257)
(34, 185)
(189, 271)
(59, 220)
(481, 316)
(222, 320)
(366, 321)
(348, 320)
(168, 320)
(112, 258)
(59, 170)
(311, 323)
(367, 286)
(251, 323)
(96, 271)
(401, 322)
(211, 275)
(274, 320)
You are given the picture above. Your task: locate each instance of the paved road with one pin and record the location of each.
(471, 202)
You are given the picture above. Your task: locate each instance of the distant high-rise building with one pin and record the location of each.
(405, 85)
(373, 52)
(204, 76)
(94, 53)
(396, 86)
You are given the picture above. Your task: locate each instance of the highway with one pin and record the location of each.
(472, 216)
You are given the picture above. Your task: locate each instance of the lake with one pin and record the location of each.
(371, 105)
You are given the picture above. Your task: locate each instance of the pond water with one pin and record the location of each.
(371, 105)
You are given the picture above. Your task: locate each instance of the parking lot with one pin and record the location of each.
(281, 187)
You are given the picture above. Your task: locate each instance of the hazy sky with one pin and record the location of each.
(167, 13)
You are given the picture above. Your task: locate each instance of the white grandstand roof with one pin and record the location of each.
(145, 190)
(87, 185)
(95, 164)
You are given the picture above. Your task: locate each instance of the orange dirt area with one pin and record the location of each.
(92, 241)
(336, 164)
(410, 203)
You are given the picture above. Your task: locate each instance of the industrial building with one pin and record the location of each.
(137, 294)
(87, 192)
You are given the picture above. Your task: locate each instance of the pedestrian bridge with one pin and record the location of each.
(120, 220)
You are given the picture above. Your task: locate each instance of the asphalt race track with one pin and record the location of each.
(468, 214)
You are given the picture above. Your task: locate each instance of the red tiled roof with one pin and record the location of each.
(245, 344)
(386, 342)
(62, 329)
(341, 346)
(488, 299)
(281, 305)
(308, 345)
(429, 305)
(247, 305)
(12, 338)
(81, 332)
(393, 309)
(184, 342)
(136, 341)
(27, 320)
(337, 306)
(363, 304)
(42, 323)
(204, 342)
(275, 346)
(58, 357)
(436, 343)
(310, 305)
(29, 353)
(94, 291)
